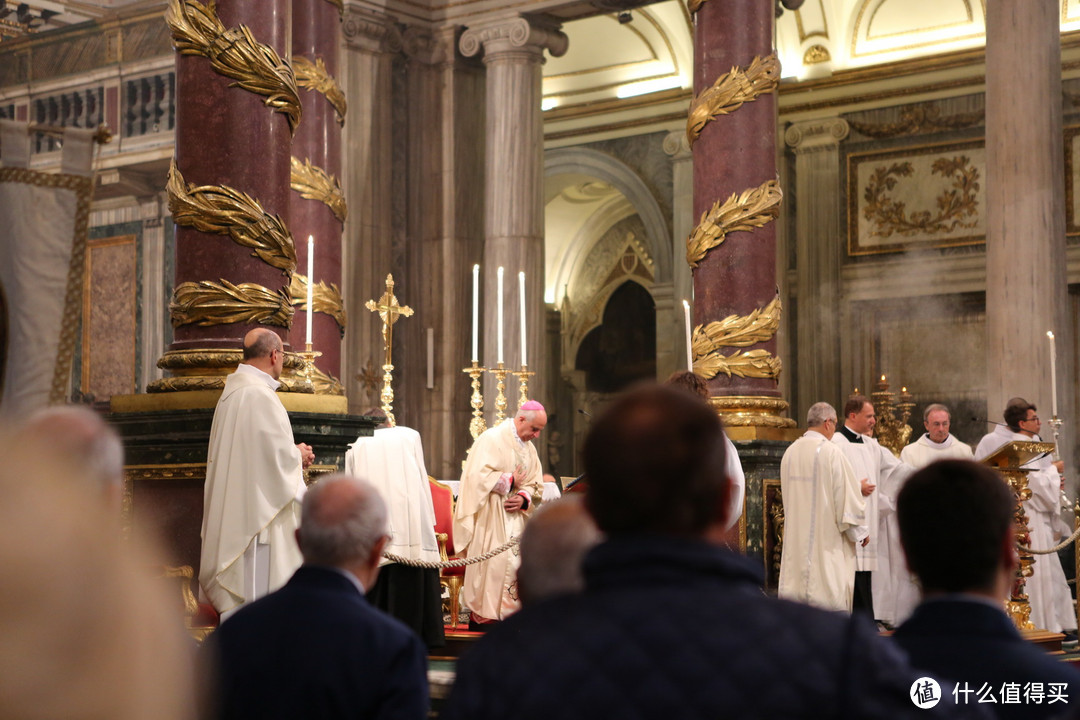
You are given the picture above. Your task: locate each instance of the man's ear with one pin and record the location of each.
(377, 551)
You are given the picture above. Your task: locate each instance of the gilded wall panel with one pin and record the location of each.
(109, 317)
(927, 196)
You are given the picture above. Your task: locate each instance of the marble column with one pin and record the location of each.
(819, 243)
(513, 50)
(317, 206)
(1026, 286)
(682, 222)
(736, 154)
(228, 137)
(444, 231)
(371, 43)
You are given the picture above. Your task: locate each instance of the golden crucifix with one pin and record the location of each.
(389, 310)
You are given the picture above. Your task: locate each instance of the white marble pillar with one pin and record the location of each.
(1026, 286)
(156, 332)
(513, 50)
(371, 41)
(819, 248)
(682, 223)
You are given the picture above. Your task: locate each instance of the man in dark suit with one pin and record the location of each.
(316, 648)
(956, 527)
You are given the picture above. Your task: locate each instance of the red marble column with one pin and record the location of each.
(316, 35)
(227, 136)
(734, 153)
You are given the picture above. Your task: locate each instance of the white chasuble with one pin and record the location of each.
(823, 512)
(254, 487)
(482, 524)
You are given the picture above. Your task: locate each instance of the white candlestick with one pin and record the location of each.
(521, 293)
(689, 343)
(475, 312)
(310, 283)
(1053, 373)
(499, 315)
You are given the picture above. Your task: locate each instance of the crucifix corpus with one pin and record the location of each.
(389, 311)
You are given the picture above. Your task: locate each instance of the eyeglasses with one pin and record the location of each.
(1033, 418)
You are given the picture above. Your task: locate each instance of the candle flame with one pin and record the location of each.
(686, 304)
(1050, 334)
(903, 389)
(882, 378)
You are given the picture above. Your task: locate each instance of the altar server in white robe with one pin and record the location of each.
(937, 443)
(1047, 589)
(824, 517)
(392, 460)
(501, 485)
(883, 586)
(254, 483)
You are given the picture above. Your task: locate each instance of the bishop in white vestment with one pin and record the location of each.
(501, 485)
(824, 517)
(254, 484)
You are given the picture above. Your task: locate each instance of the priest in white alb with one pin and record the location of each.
(501, 485)
(254, 483)
(937, 443)
(823, 517)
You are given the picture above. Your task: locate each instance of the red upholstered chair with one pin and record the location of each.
(450, 578)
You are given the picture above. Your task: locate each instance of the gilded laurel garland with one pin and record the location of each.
(225, 211)
(749, 364)
(325, 298)
(957, 207)
(314, 183)
(750, 209)
(738, 330)
(730, 91)
(314, 76)
(234, 53)
(210, 303)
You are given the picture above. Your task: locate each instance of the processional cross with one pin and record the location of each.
(389, 311)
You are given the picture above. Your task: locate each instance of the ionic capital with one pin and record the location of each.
(429, 47)
(370, 31)
(676, 145)
(812, 135)
(515, 35)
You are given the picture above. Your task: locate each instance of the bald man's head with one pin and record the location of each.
(342, 523)
(263, 350)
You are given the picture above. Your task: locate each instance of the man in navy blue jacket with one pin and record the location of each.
(956, 526)
(316, 649)
(671, 624)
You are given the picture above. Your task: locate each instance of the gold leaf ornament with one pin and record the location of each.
(748, 210)
(224, 211)
(315, 76)
(209, 303)
(730, 92)
(234, 52)
(750, 364)
(314, 183)
(739, 330)
(325, 298)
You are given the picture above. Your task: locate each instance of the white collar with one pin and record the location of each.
(937, 445)
(256, 372)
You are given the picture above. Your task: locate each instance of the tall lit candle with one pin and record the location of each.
(1053, 373)
(310, 283)
(689, 344)
(475, 313)
(499, 314)
(521, 301)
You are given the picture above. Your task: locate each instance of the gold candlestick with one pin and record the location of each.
(477, 424)
(500, 372)
(523, 384)
(307, 375)
(387, 394)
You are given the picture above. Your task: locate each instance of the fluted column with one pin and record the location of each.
(819, 233)
(733, 249)
(682, 222)
(371, 42)
(513, 52)
(317, 205)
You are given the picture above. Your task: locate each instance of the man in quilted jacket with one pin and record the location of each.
(671, 624)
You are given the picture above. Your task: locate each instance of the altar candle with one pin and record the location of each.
(475, 313)
(689, 344)
(499, 314)
(1053, 373)
(310, 283)
(521, 292)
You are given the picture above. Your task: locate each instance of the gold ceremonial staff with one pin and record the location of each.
(389, 310)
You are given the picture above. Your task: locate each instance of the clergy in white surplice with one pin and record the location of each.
(824, 517)
(254, 483)
(501, 484)
(883, 586)
(1047, 590)
(938, 443)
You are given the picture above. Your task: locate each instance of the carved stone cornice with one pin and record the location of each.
(676, 145)
(372, 32)
(515, 36)
(816, 134)
(429, 47)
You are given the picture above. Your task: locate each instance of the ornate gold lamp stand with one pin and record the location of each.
(523, 384)
(892, 430)
(307, 373)
(477, 424)
(500, 372)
